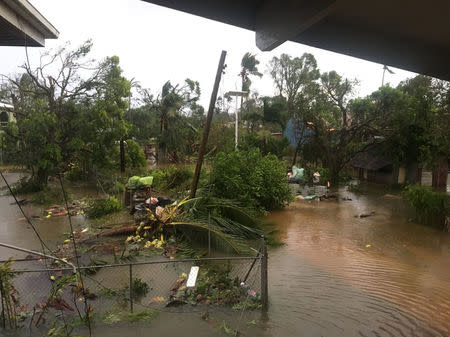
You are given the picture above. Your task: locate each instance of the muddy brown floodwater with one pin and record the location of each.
(337, 274)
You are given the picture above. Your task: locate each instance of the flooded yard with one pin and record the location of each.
(336, 275)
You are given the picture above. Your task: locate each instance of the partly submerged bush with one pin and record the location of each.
(50, 195)
(102, 207)
(27, 185)
(431, 207)
(171, 177)
(255, 180)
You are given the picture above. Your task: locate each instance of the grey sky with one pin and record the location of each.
(156, 44)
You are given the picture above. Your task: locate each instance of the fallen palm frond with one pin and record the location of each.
(228, 224)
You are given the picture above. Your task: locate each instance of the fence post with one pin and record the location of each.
(131, 287)
(264, 275)
(209, 235)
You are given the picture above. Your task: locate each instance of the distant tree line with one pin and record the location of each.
(75, 115)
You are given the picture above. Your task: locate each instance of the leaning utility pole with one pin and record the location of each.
(207, 127)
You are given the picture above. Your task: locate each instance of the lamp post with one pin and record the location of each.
(236, 126)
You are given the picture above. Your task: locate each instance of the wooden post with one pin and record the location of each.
(209, 235)
(207, 127)
(264, 277)
(131, 287)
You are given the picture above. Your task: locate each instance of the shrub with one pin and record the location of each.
(140, 288)
(49, 195)
(134, 155)
(171, 177)
(266, 143)
(27, 185)
(255, 180)
(102, 207)
(431, 207)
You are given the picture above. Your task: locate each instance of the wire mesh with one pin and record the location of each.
(229, 286)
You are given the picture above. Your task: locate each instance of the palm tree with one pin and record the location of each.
(249, 66)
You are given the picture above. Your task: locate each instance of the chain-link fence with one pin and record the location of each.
(41, 295)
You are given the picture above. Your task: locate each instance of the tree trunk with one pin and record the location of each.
(440, 173)
(124, 230)
(297, 148)
(122, 155)
(41, 177)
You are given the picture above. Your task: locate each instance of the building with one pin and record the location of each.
(23, 25)
(6, 114)
(375, 167)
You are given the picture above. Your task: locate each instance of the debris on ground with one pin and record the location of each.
(328, 197)
(20, 202)
(214, 286)
(123, 230)
(391, 196)
(310, 197)
(365, 215)
(76, 207)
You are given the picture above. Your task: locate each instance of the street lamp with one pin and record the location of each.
(236, 126)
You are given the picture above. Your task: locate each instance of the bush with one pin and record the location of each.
(255, 180)
(27, 185)
(49, 195)
(431, 207)
(75, 174)
(171, 177)
(102, 207)
(140, 288)
(134, 155)
(266, 143)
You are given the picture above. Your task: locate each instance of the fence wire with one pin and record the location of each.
(223, 285)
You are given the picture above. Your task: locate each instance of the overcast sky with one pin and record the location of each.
(156, 44)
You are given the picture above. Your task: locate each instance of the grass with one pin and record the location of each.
(128, 317)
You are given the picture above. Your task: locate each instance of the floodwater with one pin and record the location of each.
(339, 275)
(14, 230)
(336, 275)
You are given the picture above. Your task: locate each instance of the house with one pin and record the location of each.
(22, 25)
(6, 114)
(374, 167)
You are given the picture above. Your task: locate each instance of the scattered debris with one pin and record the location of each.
(75, 208)
(365, 215)
(123, 230)
(21, 202)
(310, 197)
(328, 197)
(391, 196)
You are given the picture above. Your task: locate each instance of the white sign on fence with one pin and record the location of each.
(192, 277)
